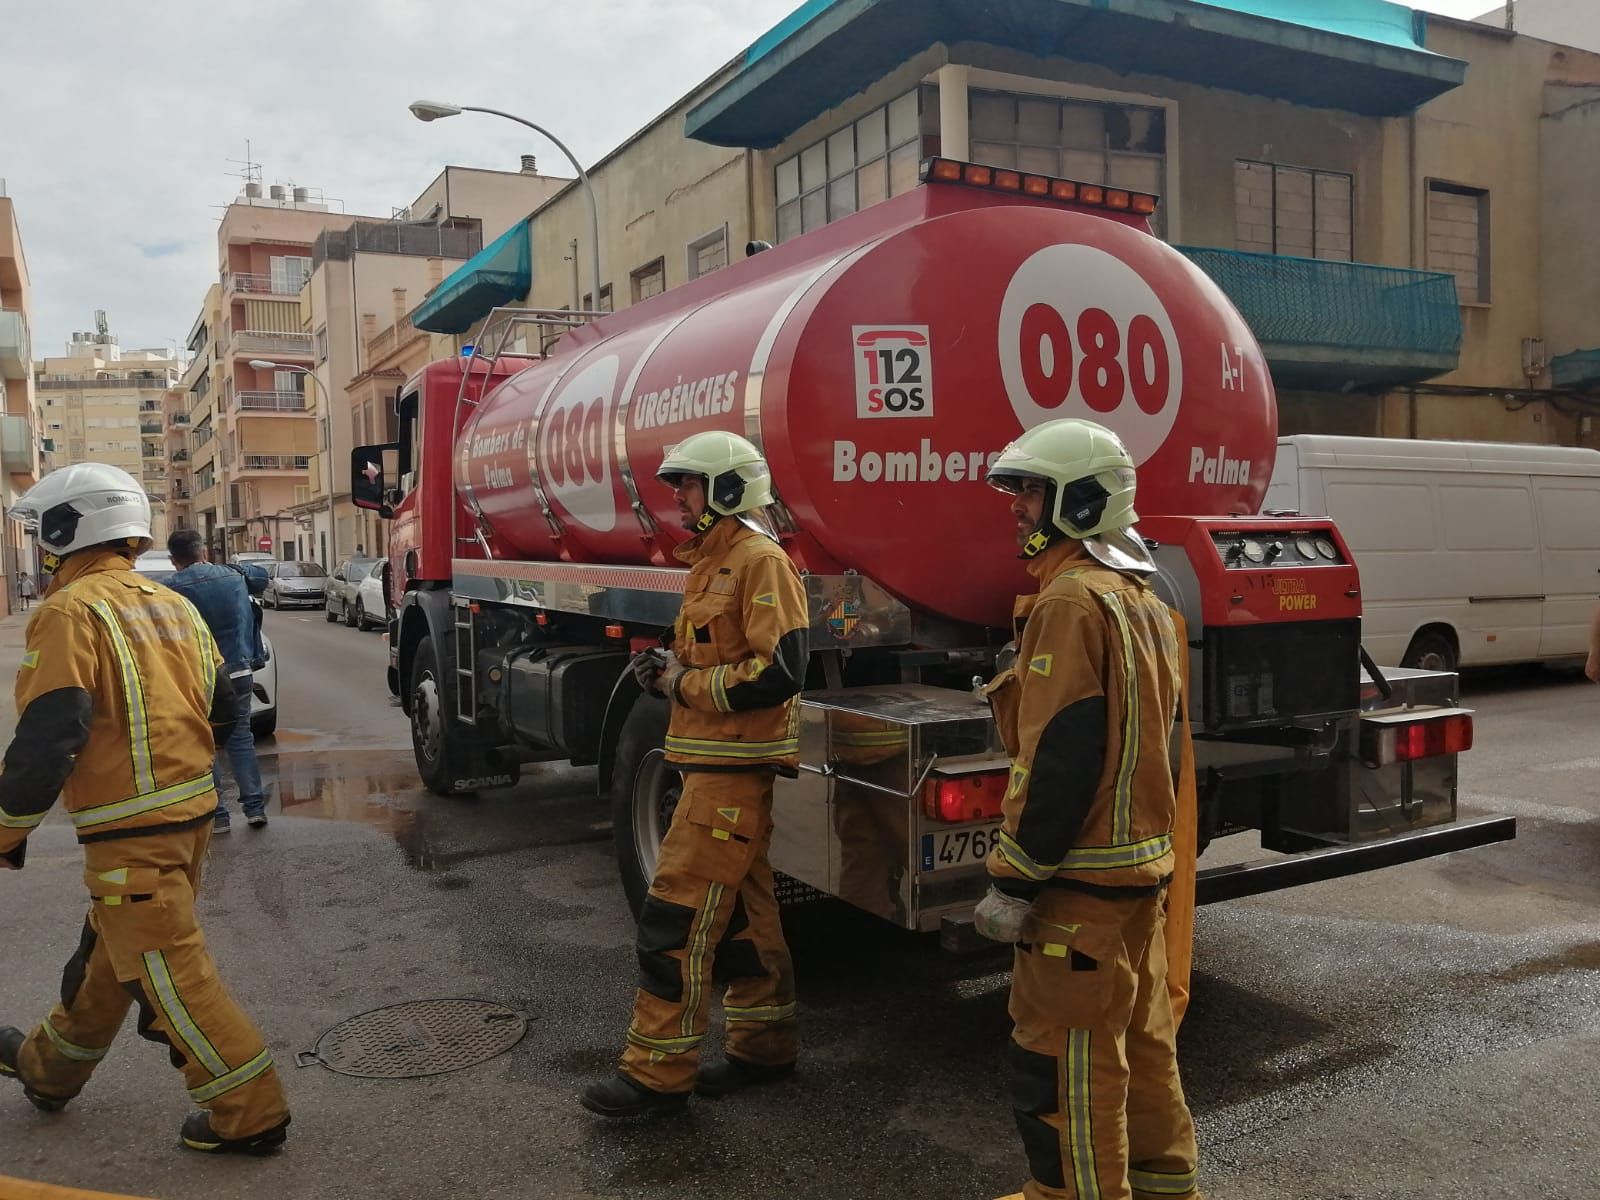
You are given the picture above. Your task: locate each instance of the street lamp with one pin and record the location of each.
(261, 364)
(433, 110)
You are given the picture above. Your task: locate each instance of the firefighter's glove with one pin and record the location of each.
(999, 917)
(645, 666)
(667, 681)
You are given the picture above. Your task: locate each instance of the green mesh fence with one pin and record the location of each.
(1581, 368)
(1313, 302)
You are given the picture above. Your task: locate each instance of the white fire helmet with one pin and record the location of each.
(736, 476)
(1089, 487)
(83, 505)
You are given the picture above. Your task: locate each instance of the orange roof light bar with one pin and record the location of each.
(1071, 191)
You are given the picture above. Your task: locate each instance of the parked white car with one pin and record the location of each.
(156, 565)
(372, 605)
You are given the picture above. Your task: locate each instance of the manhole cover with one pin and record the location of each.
(420, 1037)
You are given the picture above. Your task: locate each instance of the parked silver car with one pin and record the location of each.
(296, 585)
(343, 586)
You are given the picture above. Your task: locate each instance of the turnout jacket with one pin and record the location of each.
(741, 636)
(1086, 713)
(119, 702)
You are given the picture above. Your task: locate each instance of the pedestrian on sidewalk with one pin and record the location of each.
(119, 703)
(25, 589)
(221, 596)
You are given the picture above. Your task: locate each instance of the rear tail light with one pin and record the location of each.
(1406, 737)
(973, 797)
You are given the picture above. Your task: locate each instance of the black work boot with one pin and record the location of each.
(734, 1075)
(620, 1096)
(11, 1040)
(197, 1134)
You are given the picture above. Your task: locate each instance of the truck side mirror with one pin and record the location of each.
(367, 484)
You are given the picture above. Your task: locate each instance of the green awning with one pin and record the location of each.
(1362, 56)
(1580, 369)
(498, 274)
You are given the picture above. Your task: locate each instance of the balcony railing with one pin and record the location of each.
(154, 428)
(1332, 325)
(178, 420)
(275, 401)
(255, 341)
(16, 348)
(179, 492)
(274, 462)
(259, 285)
(136, 381)
(180, 456)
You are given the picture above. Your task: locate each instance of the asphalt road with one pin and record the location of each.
(1430, 1030)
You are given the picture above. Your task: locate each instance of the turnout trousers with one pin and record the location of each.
(711, 917)
(142, 945)
(1094, 1067)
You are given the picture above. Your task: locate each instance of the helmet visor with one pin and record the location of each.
(1012, 483)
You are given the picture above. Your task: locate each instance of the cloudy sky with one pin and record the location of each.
(119, 118)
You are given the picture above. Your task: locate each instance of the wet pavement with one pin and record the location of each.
(1429, 1030)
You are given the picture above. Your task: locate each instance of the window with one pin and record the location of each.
(302, 493)
(1292, 210)
(868, 160)
(322, 344)
(1458, 238)
(649, 280)
(605, 300)
(708, 252)
(289, 274)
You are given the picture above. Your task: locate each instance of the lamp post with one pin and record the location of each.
(433, 110)
(261, 364)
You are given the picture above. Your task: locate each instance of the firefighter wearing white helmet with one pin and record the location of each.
(1085, 855)
(119, 703)
(735, 664)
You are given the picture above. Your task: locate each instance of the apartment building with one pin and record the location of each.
(101, 403)
(22, 444)
(1566, 22)
(1400, 204)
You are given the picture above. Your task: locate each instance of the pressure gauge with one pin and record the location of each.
(1254, 550)
(1306, 547)
(1326, 548)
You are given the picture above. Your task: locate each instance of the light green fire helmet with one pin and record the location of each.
(1089, 486)
(736, 476)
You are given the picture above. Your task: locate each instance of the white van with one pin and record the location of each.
(1470, 553)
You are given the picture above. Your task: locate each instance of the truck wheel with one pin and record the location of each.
(431, 738)
(1431, 650)
(644, 793)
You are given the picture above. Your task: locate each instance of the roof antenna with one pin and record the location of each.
(251, 173)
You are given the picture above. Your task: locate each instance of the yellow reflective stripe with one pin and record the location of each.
(120, 875)
(166, 994)
(236, 1078)
(136, 806)
(705, 748)
(719, 689)
(676, 1045)
(1079, 1129)
(30, 658)
(72, 1050)
(1122, 811)
(1022, 861)
(1105, 858)
(144, 778)
(769, 1012)
(1019, 779)
(207, 646)
(27, 821)
(699, 936)
(1163, 1183)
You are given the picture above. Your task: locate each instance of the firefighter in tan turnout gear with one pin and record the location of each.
(738, 660)
(119, 706)
(1085, 854)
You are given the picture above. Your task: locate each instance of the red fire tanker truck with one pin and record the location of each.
(881, 362)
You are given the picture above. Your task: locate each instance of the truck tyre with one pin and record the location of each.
(1431, 650)
(432, 740)
(644, 793)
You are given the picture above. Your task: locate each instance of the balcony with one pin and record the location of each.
(271, 401)
(16, 349)
(151, 428)
(255, 341)
(180, 456)
(179, 492)
(272, 464)
(259, 285)
(177, 420)
(1340, 326)
(135, 381)
(18, 455)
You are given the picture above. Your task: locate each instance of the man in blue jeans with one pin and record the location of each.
(220, 595)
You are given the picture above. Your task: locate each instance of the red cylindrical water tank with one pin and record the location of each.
(880, 375)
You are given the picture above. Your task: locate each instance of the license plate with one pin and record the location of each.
(958, 847)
